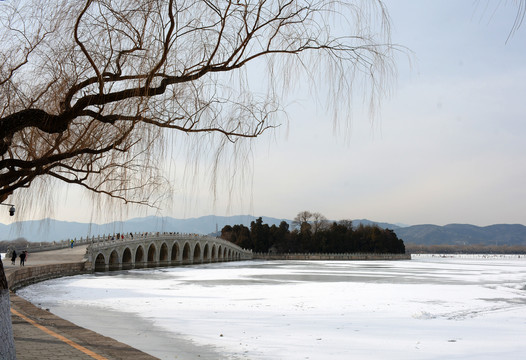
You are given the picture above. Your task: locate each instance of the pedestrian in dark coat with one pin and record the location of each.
(23, 258)
(13, 257)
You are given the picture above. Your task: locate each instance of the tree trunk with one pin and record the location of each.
(7, 341)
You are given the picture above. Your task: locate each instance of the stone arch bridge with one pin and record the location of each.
(168, 249)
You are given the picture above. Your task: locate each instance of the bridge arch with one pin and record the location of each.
(163, 255)
(206, 254)
(151, 260)
(100, 263)
(214, 255)
(175, 252)
(186, 253)
(139, 257)
(127, 262)
(114, 263)
(197, 254)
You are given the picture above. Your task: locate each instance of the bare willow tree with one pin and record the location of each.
(90, 89)
(319, 222)
(312, 222)
(87, 88)
(519, 18)
(303, 217)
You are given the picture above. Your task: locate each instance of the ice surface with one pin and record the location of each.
(426, 308)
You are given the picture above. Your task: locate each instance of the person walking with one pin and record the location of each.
(13, 257)
(23, 258)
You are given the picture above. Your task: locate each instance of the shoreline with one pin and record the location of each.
(331, 257)
(31, 341)
(127, 329)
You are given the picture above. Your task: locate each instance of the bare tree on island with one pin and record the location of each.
(91, 92)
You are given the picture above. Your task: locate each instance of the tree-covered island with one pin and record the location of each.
(313, 233)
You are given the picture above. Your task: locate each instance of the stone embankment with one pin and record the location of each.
(30, 275)
(300, 256)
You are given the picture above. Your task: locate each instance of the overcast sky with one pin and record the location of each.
(448, 146)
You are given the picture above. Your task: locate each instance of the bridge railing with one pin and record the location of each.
(102, 241)
(33, 247)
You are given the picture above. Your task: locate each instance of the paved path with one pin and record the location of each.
(41, 335)
(68, 255)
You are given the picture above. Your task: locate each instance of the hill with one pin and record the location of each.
(453, 234)
(55, 230)
(464, 234)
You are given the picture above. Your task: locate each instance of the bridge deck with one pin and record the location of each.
(61, 256)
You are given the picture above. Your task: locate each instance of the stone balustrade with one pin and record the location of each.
(342, 256)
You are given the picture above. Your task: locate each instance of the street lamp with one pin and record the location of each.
(11, 209)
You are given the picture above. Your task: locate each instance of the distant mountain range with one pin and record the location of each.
(453, 234)
(464, 234)
(55, 230)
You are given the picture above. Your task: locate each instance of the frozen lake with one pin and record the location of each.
(426, 308)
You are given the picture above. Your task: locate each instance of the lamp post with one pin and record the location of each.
(11, 209)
